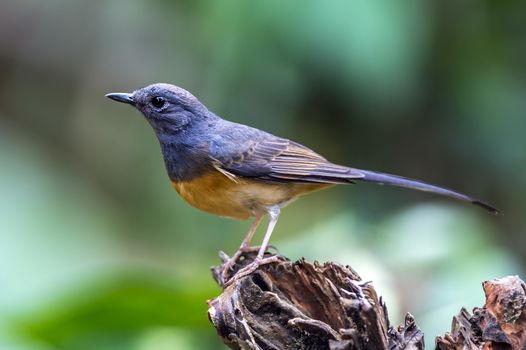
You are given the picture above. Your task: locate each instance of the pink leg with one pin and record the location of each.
(273, 213)
(246, 242)
(243, 248)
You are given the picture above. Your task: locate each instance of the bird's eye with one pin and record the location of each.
(158, 101)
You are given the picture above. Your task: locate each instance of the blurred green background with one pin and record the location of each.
(98, 252)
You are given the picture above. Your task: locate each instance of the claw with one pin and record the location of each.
(230, 262)
(250, 268)
(224, 258)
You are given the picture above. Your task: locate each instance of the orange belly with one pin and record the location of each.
(239, 198)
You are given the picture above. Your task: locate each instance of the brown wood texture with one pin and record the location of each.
(500, 324)
(297, 305)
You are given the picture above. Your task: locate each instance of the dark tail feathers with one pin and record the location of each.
(399, 181)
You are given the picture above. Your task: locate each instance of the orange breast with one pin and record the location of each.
(238, 198)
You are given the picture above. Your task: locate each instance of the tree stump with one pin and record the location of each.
(500, 324)
(297, 305)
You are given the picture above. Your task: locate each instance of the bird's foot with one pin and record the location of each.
(250, 268)
(230, 262)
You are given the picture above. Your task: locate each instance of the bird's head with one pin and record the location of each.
(168, 108)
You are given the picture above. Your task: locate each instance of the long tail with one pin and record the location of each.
(399, 181)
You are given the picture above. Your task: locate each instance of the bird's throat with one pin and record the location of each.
(183, 162)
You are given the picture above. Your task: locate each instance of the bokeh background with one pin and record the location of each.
(98, 252)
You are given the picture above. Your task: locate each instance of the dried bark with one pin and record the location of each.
(500, 324)
(296, 305)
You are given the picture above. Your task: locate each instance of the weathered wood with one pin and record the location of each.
(500, 324)
(297, 305)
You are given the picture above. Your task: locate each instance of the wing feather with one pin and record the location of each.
(274, 159)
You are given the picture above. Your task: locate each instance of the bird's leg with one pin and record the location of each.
(273, 213)
(243, 248)
(246, 242)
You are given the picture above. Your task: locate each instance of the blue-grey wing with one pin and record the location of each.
(248, 152)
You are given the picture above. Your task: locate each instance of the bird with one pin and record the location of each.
(237, 171)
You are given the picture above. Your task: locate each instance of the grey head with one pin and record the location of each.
(168, 108)
(182, 125)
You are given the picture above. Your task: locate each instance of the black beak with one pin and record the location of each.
(121, 97)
